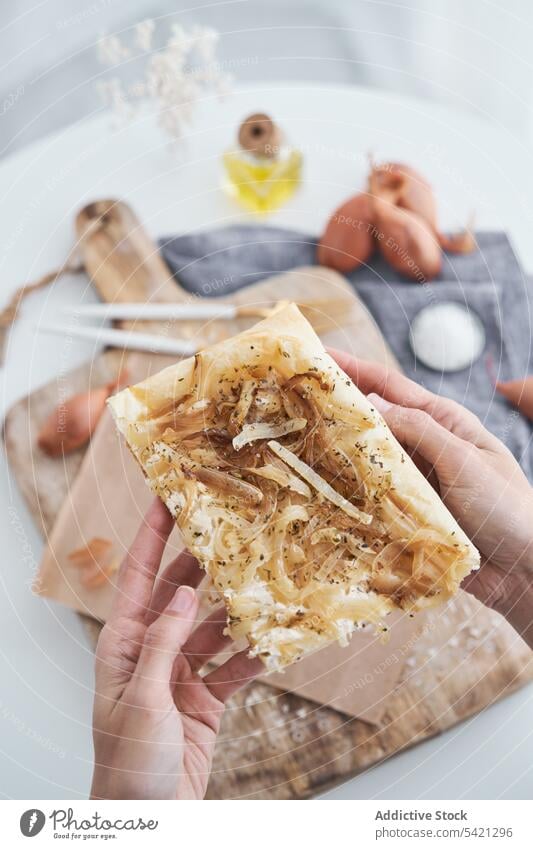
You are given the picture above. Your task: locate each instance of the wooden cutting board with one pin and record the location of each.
(273, 744)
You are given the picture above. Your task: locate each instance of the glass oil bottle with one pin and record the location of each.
(263, 172)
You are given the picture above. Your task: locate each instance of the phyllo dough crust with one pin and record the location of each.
(291, 491)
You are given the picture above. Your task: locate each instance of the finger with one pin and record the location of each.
(418, 431)
(139, 569)
(232, 675)
(488, 585)
(369, 376)
(457, 419)
(163, 641)
(184, 570)
(207, 640)
(387, 383)
(117, 652)
(426, 469)
(390, 384)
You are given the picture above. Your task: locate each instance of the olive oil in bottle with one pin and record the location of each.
(263, 171)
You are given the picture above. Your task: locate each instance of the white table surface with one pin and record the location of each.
(45, 661)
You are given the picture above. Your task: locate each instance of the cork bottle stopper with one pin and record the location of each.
(259, 134)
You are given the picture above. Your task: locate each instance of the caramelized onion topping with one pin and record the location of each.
(228, 485)
(314, 479)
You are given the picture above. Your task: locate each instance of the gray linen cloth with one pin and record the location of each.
(489, 281)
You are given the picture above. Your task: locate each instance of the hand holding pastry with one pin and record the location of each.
(155, 719)
(477, 477)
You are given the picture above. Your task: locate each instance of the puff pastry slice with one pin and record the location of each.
(289, 488)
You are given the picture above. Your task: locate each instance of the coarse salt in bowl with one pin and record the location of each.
(447, 336)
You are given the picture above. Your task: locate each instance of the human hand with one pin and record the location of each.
(476, 476)
(155, 719)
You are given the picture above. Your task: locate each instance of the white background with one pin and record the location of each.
(474, 55)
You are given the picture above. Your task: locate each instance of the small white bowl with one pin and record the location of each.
(447, 336)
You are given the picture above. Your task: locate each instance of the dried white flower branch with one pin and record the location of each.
(175, 76)
(143, 34)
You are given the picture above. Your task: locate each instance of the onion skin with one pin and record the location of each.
(519, 393)
(347, 241)
(71, 424)
(407, 241)
(93, 562)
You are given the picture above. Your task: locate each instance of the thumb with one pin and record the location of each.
(164, 638)
(417, 430)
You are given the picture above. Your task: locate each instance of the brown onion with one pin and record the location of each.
(347, 241)
(72, 423)
(406, 188)
(519, 393)
(407, 241)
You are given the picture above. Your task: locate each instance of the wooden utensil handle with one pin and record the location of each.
(122, 260)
